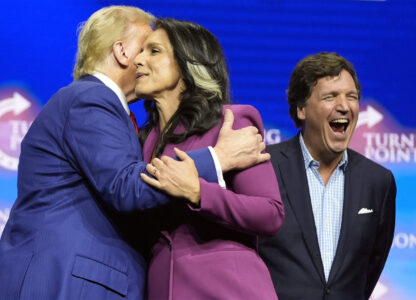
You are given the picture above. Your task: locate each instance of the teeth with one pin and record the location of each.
(340, 121)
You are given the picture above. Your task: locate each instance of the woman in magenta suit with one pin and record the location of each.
(207, 247)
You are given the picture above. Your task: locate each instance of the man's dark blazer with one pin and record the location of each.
(293, 255)
(80, 160)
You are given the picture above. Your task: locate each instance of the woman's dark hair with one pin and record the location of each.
(202, 64)
(307, 73)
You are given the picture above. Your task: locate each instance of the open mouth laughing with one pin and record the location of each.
(339, 125)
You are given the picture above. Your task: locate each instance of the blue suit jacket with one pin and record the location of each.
(80, 162)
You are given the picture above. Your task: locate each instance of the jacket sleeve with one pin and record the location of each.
(252, 204)
(204, 163)
(102, 146)
(384, 237)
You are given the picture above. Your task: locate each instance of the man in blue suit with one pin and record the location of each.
(339, 205)
(80, 164)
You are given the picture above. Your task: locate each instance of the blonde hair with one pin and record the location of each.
(102, 29)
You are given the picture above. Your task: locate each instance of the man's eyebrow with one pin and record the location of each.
(329, 93)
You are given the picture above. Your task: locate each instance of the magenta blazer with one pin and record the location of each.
(210, 252)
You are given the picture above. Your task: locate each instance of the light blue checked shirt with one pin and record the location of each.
(327, 202)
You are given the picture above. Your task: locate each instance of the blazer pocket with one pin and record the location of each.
(101, 274)
(370, 217)
(367, 227)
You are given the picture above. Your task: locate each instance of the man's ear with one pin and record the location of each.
(120, 54)
(301, 113)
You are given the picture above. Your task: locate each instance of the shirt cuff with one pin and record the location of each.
(218, 169)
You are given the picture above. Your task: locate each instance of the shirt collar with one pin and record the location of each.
(114, 87)
(309, 161)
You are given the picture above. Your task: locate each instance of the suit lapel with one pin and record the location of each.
(294, 177)
(352, 188)
(150, 144)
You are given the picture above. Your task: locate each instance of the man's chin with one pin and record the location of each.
(134, 97)
(339, 149)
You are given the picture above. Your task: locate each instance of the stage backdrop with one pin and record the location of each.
(262, 40)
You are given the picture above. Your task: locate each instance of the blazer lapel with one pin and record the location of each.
(294, 177)
(150, 144)
(352, 188)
